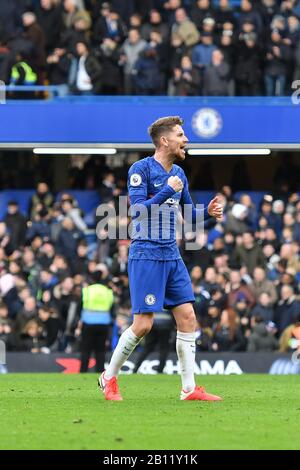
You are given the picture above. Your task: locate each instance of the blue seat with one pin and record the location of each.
(22, 196)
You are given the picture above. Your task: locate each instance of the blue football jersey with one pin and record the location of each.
(155, 208)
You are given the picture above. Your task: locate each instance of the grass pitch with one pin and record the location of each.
(55, 411)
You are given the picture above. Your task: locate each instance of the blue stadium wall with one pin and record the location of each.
(125, 120)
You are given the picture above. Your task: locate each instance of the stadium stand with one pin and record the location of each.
(226, 47)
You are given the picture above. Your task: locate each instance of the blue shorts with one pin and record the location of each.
(155, 285)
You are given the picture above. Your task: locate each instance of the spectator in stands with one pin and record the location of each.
(201, 10)
(131, 50)
(86, 75)
(48, 320)
(185, 28)
(236, 288)
(68, 238)
(40, 226)
(30, 339)
(248, 69)
(248, 254)
(186, 78)
(236, 220)
(6, 329)
(70, 9)
(34, 32)
(8, 292)
(262, 284)
(264, 307)
(223, 13)
(147, 73)
(202, 53)
(297, 62)
(287, 309)
(261, 339)
(42, 198)
(155, 24)
(109, 26)
(287, 254)
(120, 260)
(70, 209)
(277, 61)
(210, 280)
(27, 313)
(290, 337)
(80, 262)
(227, 335)
(10, 17)
(216, 76)
(109, 55)
(58, 69)
(249, 13)
(60, 267)
(16, 224)
(49, 17)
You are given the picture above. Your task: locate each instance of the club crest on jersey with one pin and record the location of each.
(135, 179)
(172, 202)
(150, 299)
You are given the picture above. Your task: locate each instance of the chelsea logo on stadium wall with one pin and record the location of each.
(207, 122)
(150, 299)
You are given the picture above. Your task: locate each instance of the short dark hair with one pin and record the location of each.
(162, 125)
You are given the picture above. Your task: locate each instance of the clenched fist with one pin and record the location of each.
(175, 183)
(215, 209)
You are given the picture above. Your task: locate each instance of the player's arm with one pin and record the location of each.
(137, 188)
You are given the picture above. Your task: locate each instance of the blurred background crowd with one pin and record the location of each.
(152, 47)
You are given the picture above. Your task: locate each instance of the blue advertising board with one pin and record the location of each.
(124, 120)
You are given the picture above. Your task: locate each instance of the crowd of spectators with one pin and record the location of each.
(152, 47)
(245, 274)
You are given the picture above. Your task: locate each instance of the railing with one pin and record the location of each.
(50, 90)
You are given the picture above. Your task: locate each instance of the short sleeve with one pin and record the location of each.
(137, 180)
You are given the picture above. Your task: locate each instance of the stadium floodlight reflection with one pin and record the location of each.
(74, 151)
(229, 151)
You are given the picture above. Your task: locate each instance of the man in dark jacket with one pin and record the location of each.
(277, 64)
(287, 309)
(261, 339)
(68, 239)
(216, 76)
(248, 66)
(16, 224)
(249, 254)
(87, 78)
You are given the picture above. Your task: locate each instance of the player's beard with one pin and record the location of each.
(180, 155)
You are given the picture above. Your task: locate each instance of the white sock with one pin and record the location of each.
(127, 342)
(186, 351)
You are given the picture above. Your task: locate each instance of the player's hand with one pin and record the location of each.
(175, 183)
(215, 209)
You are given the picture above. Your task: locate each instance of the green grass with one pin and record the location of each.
(52, 411)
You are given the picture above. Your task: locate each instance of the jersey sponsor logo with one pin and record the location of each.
(150, 299)
(207, 122)
(157, 184)
(135, 179)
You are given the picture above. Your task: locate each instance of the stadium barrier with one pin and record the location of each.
(124, 120)
(206, 363)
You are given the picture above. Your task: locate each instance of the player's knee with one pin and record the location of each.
(187, 320)
(142, 325)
